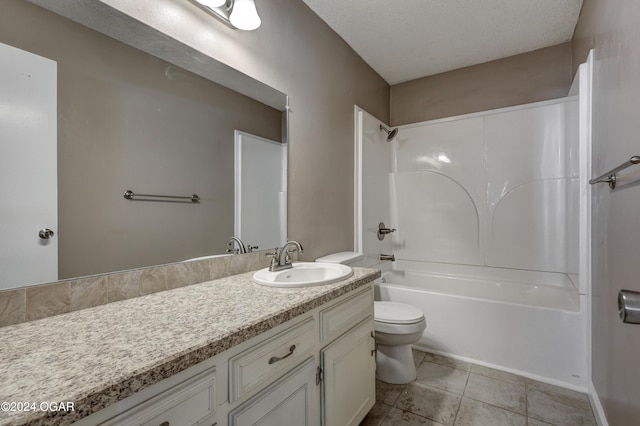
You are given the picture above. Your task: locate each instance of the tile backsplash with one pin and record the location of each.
(45, 300)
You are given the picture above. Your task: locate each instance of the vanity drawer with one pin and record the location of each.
(263, 363)
(339, 318)
(188, 403)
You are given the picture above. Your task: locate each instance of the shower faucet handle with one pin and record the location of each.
(383, 230)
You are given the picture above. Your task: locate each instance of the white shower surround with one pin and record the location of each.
(501, 303)
(498, 189)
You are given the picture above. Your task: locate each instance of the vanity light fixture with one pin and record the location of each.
(240, 14)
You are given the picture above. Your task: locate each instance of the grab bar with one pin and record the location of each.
(130, 195)
(610, 176)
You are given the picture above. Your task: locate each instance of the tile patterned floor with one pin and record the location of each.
(455, 393)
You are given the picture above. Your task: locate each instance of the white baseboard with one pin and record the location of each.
(598, 411)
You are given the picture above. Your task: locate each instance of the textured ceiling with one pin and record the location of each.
(408, 39)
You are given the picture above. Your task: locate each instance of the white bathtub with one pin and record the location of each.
(530, 323)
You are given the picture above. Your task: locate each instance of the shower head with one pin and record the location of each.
(390, 133)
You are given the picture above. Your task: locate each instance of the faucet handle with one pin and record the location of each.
(251, 248)
(274, 259)
(274, 254)
(383, 230)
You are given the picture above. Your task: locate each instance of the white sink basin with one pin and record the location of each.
(304, 274)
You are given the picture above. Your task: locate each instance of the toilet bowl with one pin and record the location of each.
(397, 327)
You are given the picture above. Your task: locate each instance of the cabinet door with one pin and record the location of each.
(292, 401)
(349, 369)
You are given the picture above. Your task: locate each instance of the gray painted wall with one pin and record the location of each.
(529, 77)
(612, 28)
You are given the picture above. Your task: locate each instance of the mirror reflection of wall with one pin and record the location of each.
(128, 120)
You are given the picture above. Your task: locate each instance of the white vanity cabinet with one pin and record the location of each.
(292, 400)
(348, 361)
(315, 369)
(331, 382)
(349, 368)
(333, 386)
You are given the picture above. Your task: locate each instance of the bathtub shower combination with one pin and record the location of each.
(486, 212)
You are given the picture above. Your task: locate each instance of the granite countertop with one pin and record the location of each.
(98, 356)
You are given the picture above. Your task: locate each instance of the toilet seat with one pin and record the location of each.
(396, 313)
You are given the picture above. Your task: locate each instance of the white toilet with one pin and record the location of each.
(397, 327)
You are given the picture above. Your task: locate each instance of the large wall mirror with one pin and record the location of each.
(124, 119)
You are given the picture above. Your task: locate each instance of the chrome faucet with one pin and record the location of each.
(241, 247)
(281, 258)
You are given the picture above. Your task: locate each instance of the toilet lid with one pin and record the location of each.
(396, 313)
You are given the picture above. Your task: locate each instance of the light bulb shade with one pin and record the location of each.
(212, 3)
(244, 15)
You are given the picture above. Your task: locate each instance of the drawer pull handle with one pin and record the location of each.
(275, 359)
(164, 424)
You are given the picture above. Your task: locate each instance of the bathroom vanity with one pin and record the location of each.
(227, 351)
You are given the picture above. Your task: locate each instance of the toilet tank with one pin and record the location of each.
(351, 258)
